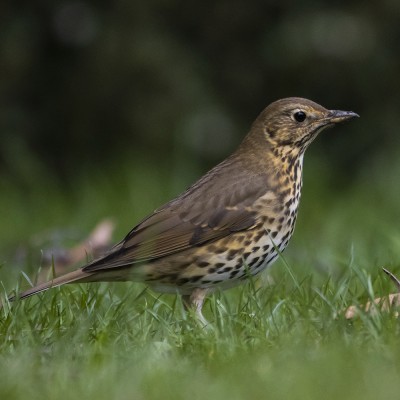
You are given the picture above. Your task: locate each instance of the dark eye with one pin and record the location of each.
(300, 116)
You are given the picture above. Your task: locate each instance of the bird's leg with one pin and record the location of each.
(194, 302)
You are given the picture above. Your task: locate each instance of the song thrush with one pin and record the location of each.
(232, 223)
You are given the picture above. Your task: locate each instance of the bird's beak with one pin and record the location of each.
(336, 116)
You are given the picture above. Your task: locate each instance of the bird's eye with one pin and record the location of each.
(299, 116)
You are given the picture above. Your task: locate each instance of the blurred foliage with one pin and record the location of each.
(87, 84)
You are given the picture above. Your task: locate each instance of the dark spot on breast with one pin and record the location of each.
(286, 236)
(259, 235)
(239, 265)
(234, 273)
(220, 250)
(239, 239)
(285, 193)
(289, 202)
(203, 264)
(232, 253)
(254, 261)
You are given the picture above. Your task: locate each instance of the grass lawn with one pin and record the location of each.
(278, 337)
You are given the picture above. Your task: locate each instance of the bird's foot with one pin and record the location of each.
(194, 302)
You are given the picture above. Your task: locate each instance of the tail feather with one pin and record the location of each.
(74, 276)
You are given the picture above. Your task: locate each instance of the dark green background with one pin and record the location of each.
(86, 84)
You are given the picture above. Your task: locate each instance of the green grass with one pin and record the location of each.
(280, 336)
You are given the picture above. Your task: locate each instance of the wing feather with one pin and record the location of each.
(189, 220)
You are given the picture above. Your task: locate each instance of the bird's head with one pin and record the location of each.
(295, 122)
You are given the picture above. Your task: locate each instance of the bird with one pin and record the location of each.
(229, 225)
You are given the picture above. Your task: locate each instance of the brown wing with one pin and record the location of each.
(200, 215)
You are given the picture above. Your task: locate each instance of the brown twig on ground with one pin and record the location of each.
(95, 244)
(385, 303)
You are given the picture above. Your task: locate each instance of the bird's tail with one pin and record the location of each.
(74, 276)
